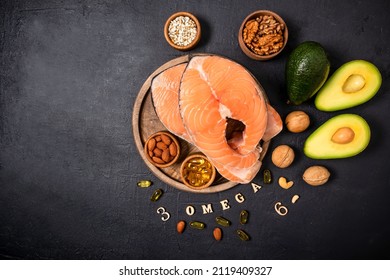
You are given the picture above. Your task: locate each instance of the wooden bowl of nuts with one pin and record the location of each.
(182, 31)
(263, 35)
(162, 149)
(197, 172)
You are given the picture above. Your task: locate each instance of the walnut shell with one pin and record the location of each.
(316, 175)
(297, 121)
(283, 156)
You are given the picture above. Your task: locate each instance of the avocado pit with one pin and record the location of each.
(343, 135)
(354, 83)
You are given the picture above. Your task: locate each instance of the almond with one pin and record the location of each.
(161, 145)
(217, 233)
(166, 139)
(157, 160)
(157, 152)
(180, 226)
(165, 155)
(173, 149)
(151, 144)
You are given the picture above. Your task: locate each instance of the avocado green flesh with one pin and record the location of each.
(307, 69)
(320, 146)
(331, 96)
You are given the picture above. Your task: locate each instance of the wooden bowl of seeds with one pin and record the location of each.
(263, 35)
(182, 31)
(162, 149)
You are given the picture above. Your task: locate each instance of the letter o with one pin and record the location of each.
(190, 210)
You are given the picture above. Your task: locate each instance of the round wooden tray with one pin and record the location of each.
(145, 122)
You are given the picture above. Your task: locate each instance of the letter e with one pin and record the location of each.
(225, 204)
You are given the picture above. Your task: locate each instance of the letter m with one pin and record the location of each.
(207, 208)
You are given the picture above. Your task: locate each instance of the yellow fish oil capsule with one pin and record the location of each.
(242, 235)
(267, 177)
(244, 217)
(156, 195)
(222, 221)
(144, 183)
(197, 161)
(197, 225)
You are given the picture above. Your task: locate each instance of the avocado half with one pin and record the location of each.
(352, 133)
(352, 84)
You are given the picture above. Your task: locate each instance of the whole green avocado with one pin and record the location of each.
(307, 69)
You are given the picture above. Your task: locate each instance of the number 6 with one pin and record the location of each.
(280, 209)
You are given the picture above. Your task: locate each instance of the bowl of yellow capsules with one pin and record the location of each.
(197, 172)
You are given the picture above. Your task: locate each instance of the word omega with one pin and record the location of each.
(208, 208)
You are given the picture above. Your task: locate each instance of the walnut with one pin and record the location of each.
(251, 28)
(263, 35)
(316, 175)
(283, 156)
(297, 121)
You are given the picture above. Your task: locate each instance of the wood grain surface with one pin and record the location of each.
(146, 122)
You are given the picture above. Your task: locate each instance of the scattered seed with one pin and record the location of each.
(294, 198)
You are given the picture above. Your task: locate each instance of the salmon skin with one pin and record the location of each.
(200, 100)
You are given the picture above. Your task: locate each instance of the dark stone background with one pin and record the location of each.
(69, 74)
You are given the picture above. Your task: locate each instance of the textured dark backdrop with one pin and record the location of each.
(69, 74)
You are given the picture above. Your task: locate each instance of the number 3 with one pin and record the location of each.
(164, 214)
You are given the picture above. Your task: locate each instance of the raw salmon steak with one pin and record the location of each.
(165, 96)
(214, 89)
(200, 101)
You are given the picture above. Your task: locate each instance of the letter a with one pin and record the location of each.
(255, 187)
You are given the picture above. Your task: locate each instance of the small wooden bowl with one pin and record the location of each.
(247, 50)
(173, 140)
(168, 38)
(188, 184)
